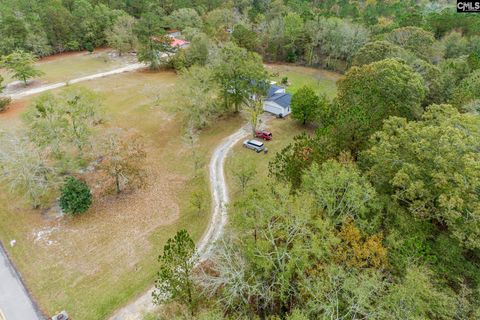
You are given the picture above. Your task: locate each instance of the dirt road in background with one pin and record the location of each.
(25, 91)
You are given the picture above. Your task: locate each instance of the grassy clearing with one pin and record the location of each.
(321, 81)
(283, 130)
(96, 263)
(68, 66)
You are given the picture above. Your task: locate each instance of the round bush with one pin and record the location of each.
(76, 197)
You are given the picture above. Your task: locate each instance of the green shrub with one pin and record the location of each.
(4, 102)
(76, 197)
(89, 47)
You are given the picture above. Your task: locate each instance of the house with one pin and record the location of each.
(277, 101)
(173, 33)
(179, 43)
(171, 44)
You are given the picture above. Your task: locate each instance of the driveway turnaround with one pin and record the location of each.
(15, 302)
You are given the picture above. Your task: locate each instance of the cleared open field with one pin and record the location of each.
(73, 65)
(92, 264)
(322, 81)
(283, 130)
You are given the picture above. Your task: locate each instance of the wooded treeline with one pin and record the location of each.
(321, 33)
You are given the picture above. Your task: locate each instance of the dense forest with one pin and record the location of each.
(326, 33)
(374, 216)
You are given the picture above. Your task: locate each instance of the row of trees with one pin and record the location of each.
(283, 32)
(54, 26)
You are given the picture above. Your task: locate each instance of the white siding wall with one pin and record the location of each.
(274, 108)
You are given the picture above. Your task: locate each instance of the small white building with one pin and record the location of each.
(277, 101)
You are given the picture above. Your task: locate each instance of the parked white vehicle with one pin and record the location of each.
(255, 145)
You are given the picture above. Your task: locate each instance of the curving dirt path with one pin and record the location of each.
(143, 304)
(219, 190)
(218, 185)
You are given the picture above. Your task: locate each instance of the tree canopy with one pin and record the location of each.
(467, 90)
(376, 51)
(175, 277)
(414, 39)
(237, 72)
(121, 36)
(371, 93)
(431, 168)
(306, 104)
(21, 65)
(57, 122)
(75, 196)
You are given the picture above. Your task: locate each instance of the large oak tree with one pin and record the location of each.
(238, 71)
(371, 93)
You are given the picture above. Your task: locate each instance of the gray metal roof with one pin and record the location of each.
(282, 99)
(272, 90)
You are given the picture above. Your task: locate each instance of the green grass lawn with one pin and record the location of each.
(94, 264)
(321, 81)
(73, 65)
(283, 130)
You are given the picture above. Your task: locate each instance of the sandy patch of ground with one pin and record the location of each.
(14, 109)
(116, 228)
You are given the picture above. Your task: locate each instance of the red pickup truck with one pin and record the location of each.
(265, 135)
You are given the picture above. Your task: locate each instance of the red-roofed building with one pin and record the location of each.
(175, 43)
(179, 43)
